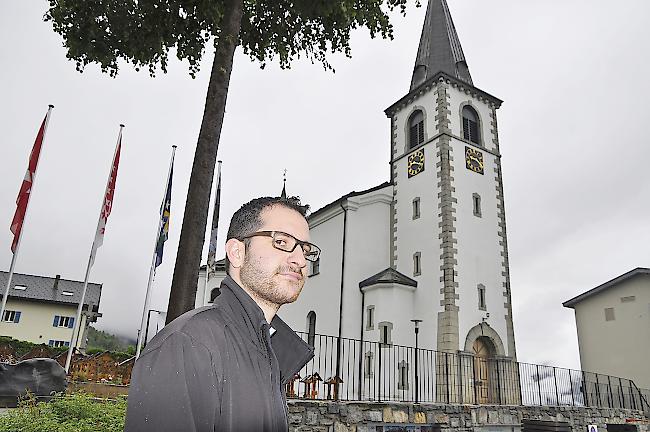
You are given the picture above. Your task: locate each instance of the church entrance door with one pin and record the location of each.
(482, 353)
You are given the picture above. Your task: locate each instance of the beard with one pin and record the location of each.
(268, 284)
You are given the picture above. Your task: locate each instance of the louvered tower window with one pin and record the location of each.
(470, 124)
(311, 328)
(416, 129)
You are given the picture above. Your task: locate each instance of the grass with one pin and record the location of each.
(78, 412)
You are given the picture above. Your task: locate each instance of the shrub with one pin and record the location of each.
(71, 413)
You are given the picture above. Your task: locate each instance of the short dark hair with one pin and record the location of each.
(248, 218)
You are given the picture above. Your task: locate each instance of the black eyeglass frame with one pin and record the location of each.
(298, 243)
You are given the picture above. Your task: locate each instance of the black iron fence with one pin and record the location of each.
(349, 369)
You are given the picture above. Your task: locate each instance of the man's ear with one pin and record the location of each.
(235, 250)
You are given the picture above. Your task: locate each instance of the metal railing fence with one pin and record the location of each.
(350, 369)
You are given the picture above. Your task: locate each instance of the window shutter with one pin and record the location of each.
(465, 128)
(56, 321)
(17, 317)
(420, 127)
(413, 136)
(71, 322)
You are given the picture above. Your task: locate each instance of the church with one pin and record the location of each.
(423, 255)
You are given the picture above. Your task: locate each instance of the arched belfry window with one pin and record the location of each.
(416, 129)
(311, 328)
(470, 124)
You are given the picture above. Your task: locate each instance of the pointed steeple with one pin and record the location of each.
(439, 49)
(284, 185)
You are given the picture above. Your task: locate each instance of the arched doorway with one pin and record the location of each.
(483, 350)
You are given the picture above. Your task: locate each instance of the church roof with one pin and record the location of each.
(439, 49)
(388, 276)
(346, 196)
(600, 288)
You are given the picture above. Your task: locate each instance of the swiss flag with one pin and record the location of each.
(107, 205)
(26, 187)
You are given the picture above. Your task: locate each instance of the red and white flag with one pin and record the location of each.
(108, 200)
(26, 186)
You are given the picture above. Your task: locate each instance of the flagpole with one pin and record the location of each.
(15, 252)
(152, 270)
(212, 247)
(76, 329)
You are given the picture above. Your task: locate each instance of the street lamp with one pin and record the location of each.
(146, 331)
(417, 378)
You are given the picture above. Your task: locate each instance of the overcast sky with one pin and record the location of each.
(573, 135)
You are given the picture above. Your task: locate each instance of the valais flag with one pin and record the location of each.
(26, 187)
(108, 200)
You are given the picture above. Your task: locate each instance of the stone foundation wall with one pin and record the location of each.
(324, 416)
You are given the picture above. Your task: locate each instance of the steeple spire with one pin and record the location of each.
(439, 49)
(284, 185)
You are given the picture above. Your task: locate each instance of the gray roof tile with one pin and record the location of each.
(41, 288)
(439, 49)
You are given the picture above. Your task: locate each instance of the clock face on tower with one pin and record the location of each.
(415, 163)
(474, 160)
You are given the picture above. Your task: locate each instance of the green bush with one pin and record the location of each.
(23, 347)
(71, 413)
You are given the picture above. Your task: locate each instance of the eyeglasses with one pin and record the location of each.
(287, 243)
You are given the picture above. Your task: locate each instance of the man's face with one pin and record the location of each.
(276, 276)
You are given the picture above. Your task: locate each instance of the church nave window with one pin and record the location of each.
(481, 297)
(314, 267)
(416, 129)
(385, 329)
(476, 204)
(311, 328)
(370, 317)
(368, 366)
(403, 376)
(417, 264)
(416, 208)
(470, 124)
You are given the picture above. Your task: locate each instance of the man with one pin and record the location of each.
(222, 367)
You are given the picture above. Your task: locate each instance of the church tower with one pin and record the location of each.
(448, 229)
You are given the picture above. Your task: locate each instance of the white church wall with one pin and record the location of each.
(421, 234)
(479, 253)
(367, 248)
(458, 98)
(321, 291)
(367, 253)
(425, 102)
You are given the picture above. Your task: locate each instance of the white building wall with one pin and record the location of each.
(36, 322)
(419, 235)
(425, 102)
(620, 347)
(322, 291)
(367, 253)
(479, 252)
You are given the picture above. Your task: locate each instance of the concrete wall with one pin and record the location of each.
(363, 417)
(620, 347)
(36, 321)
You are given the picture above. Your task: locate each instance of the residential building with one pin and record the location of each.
(43, 310)
(613, 324)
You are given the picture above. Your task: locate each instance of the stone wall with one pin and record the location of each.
(324, 416)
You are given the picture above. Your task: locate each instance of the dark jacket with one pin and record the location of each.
(216, 369)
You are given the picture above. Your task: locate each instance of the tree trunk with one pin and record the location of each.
(188, 258)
